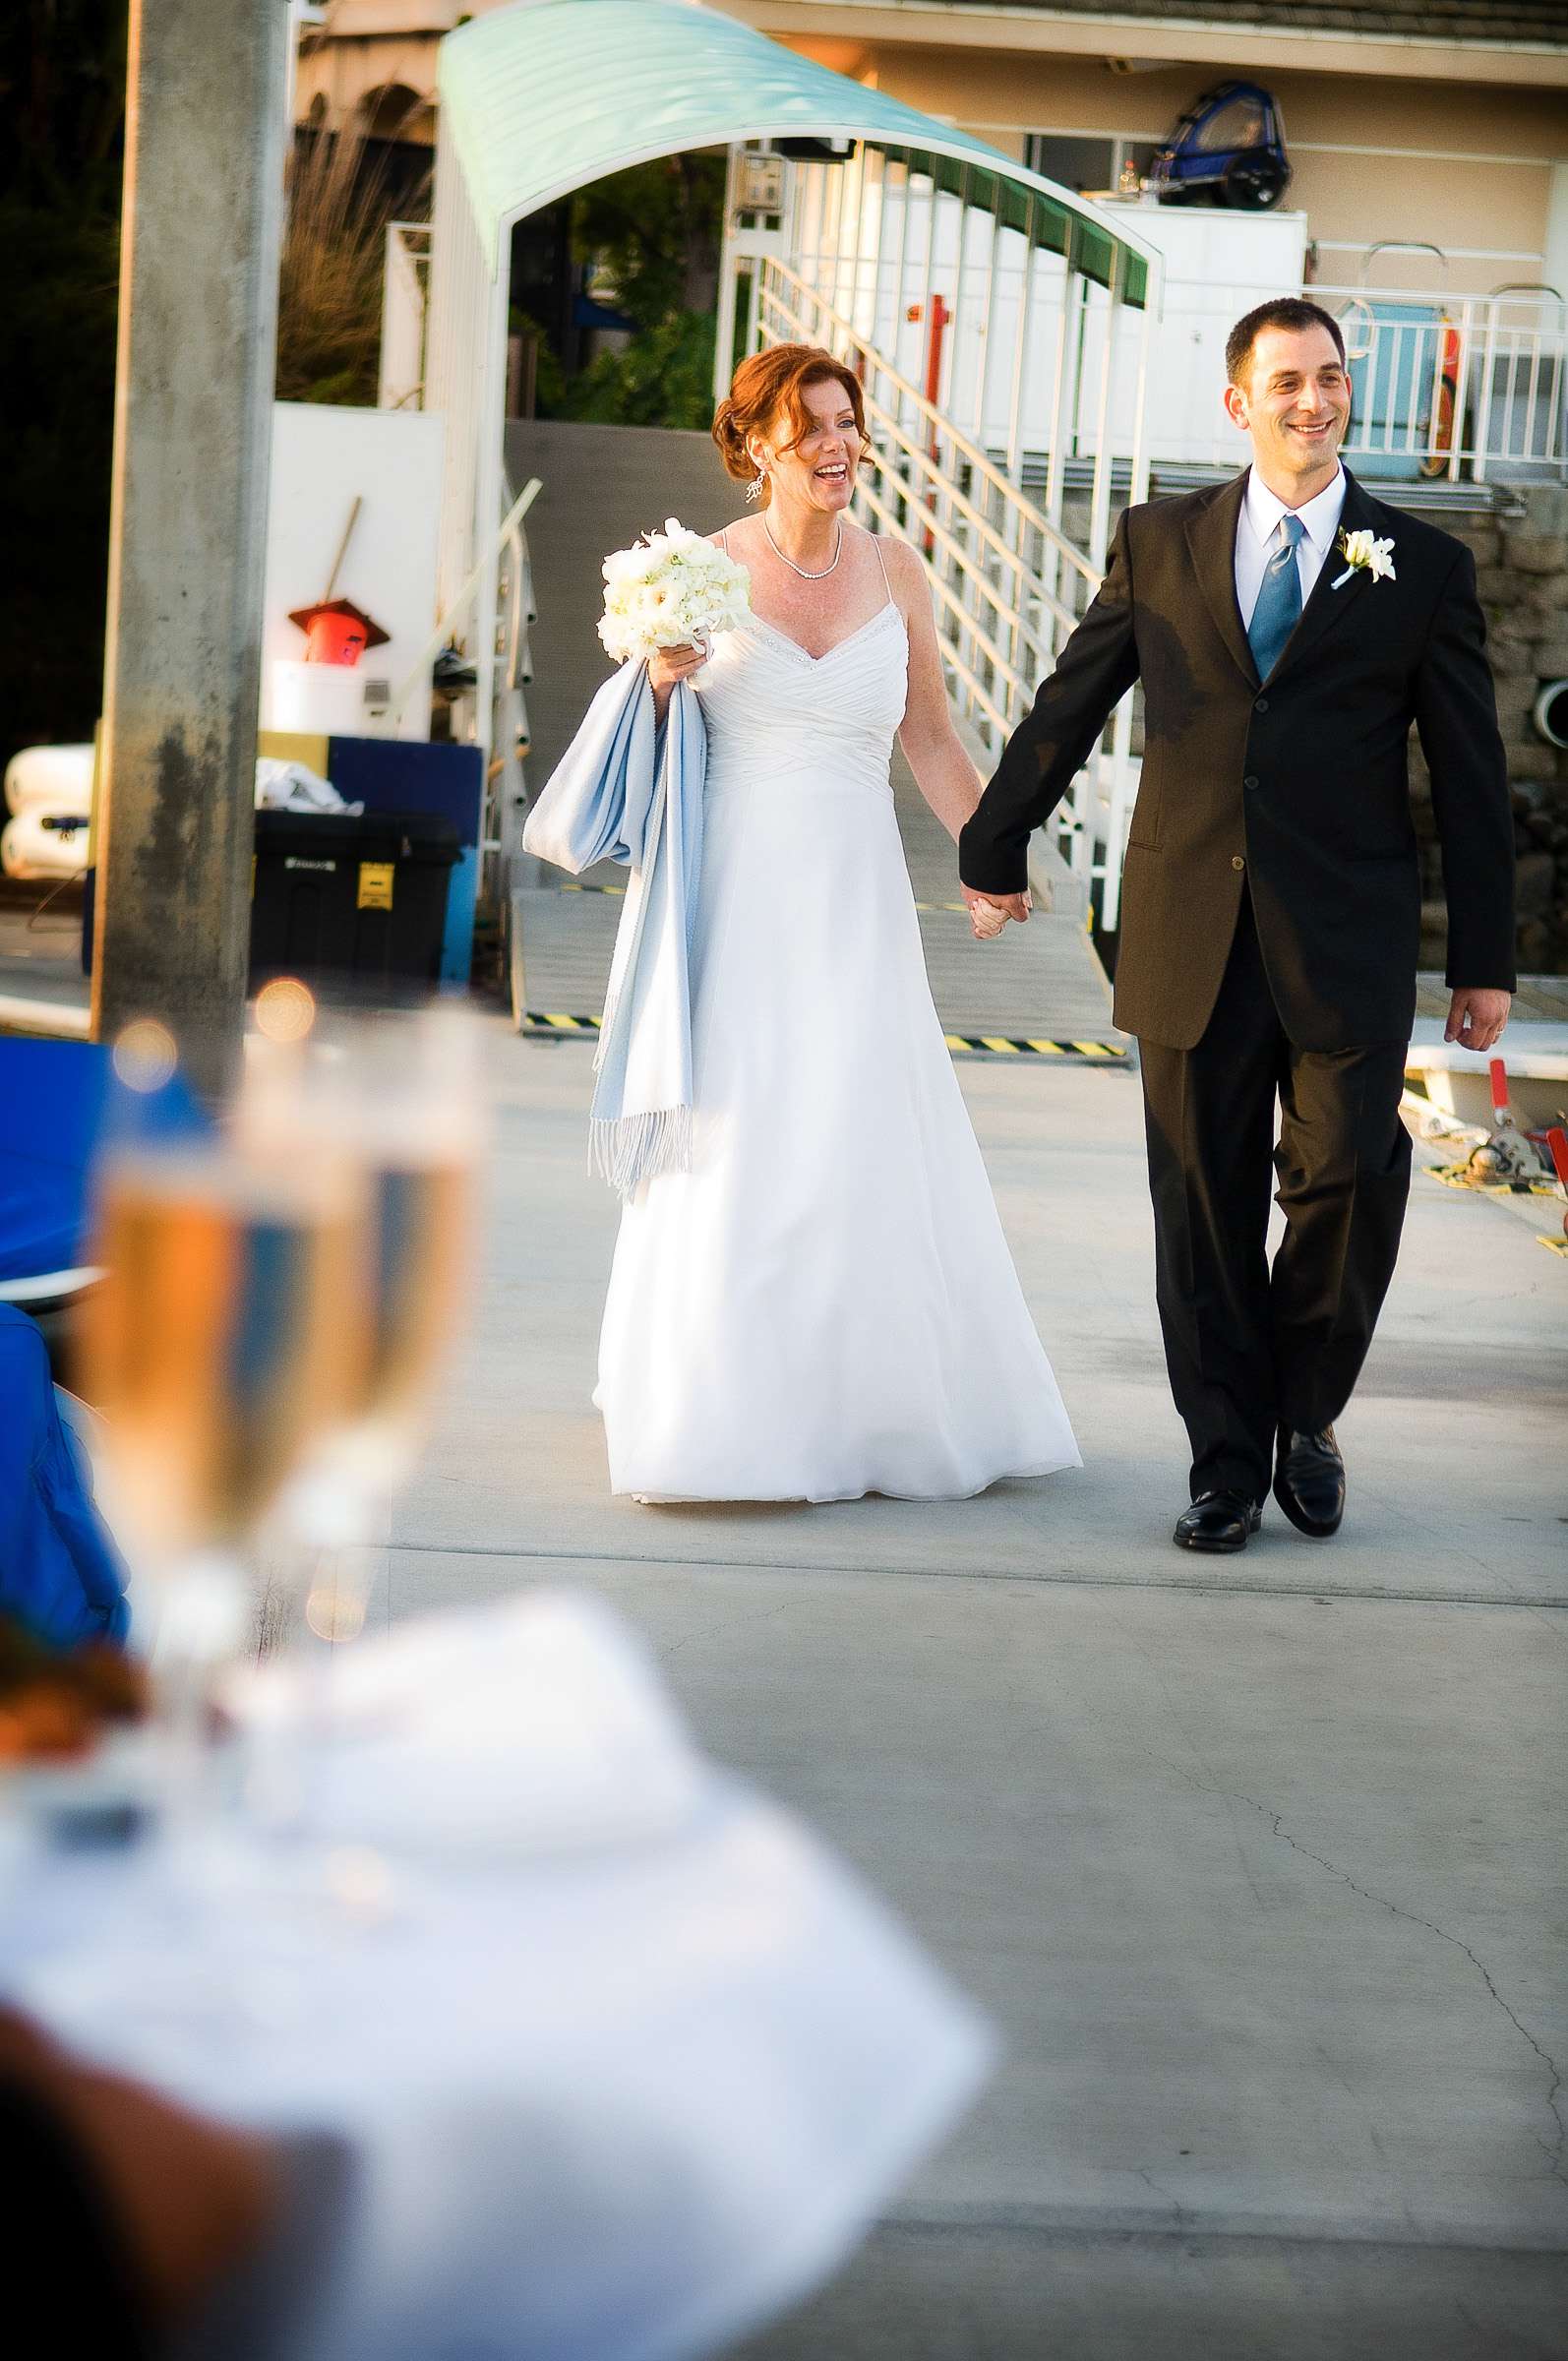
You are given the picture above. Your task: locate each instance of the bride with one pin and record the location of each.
(824, 1305)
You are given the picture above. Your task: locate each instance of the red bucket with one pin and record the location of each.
(334, 640)
(336, 631)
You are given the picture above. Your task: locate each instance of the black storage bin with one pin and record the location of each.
(361, 897)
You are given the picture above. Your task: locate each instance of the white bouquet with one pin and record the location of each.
(670, 589)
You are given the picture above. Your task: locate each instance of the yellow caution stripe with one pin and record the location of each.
(1553, 1245)
(997, 1045)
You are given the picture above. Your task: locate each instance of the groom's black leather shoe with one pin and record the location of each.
(1218, 1521)
(1309, 1482)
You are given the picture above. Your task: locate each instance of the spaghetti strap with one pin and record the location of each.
(724, 539)
(876, 544)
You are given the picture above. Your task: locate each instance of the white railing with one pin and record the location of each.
(509, 547)
(496, 699)
(1009, 584)
(1455, 388)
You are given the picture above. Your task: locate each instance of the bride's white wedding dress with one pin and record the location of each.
(824, 1305)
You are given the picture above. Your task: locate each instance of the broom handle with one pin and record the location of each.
(343, 549)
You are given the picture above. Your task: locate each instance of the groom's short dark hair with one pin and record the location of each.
(1281, 311)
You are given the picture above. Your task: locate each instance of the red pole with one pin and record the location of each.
(941, 317)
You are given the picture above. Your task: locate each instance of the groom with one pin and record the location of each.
(1270, 899)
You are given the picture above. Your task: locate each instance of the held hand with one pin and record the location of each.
(988, 913)
(667, 665)
(1476, 1019)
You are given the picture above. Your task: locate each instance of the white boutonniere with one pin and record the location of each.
(1363, 551)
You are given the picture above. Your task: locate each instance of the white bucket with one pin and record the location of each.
(320, 700)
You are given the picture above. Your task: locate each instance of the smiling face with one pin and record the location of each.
(1295, 404)
(820, 471)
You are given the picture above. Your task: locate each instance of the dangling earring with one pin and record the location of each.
(753, 489)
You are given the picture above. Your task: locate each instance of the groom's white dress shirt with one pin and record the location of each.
(1259, 522)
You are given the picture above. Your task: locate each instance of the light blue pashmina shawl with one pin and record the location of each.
(627, 791)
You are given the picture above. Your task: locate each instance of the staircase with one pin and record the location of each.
(602, 486)
(1038, 993)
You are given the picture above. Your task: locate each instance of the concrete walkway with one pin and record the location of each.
(1254, 1861)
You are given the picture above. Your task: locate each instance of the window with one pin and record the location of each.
(1237, 124)
(1089, 162)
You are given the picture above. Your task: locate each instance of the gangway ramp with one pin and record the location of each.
(1039, 991)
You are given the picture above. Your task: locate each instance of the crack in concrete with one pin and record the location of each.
(1202, 1586)
(665, 1650)
(1552, 2150)
(1182, 2212)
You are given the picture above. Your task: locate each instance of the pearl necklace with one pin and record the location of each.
(805, 572)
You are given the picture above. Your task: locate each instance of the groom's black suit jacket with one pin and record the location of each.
(1298, 786)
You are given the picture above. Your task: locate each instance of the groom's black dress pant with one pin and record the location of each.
(1248, 1346)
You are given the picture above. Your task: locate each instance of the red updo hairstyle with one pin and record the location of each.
(769, 386)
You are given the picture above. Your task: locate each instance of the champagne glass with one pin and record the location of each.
(412, 1104)
(399, 1097)
(222, 1337)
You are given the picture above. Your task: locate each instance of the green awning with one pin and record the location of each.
(549, 95)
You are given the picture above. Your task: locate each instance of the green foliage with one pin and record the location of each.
(663, 378)
(651, 236)
(550, 381)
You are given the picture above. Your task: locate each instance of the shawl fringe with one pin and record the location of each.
(630, 1149)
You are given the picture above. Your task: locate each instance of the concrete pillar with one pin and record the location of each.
(205, 145)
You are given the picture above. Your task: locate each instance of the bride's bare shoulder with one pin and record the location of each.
(896, 554)
(906, 576)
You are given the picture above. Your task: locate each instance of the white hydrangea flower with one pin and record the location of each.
(670, 589)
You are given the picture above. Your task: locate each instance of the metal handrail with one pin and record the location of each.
(1464, 387)
(991, 557)
(505, 531)
(936, 486)
(955, 499)
(940, 424)
(968, 626)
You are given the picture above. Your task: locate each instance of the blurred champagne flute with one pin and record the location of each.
(221, 1340)
(399, 1095)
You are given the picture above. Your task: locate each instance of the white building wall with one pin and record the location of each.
(324, 458)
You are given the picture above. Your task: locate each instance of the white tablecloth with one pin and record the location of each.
(617, 2082)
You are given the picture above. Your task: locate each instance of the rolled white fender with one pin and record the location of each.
(58, 777)
(30, 848)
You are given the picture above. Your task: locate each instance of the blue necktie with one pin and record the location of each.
(1278, 607)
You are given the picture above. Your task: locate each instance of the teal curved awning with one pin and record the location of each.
(548, 96)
